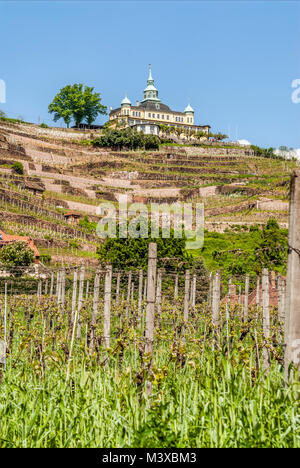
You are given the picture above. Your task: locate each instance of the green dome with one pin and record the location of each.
(126, 101)
(189, 109)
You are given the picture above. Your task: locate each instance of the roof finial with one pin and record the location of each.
(150, 75)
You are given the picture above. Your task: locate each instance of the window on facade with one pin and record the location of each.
(162, 116)
(153, 115)
(167, 117)
(158, 116)
(149, 115)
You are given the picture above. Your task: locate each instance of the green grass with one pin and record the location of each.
(68, 197)
(200, 397)
(68, 252)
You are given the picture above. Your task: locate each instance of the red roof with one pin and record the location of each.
(7, 238)
(72, 213)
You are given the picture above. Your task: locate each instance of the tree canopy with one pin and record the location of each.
(77, 102)
(16, 254)
(132, 253)
(242, 250)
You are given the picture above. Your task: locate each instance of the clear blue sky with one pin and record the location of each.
(235, 61)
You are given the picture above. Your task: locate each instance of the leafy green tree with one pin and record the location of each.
(93, 105)
(220, 136)
(272, 249)
(16, 254)
(132, 253)
(61, 106)
(77, 102)
(265, 152)
(18, 168)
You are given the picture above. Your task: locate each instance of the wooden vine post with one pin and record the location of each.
(128, 293)
(80, 299)
(292, 316)
(176, 288)
(150, 312)
(158, 293)
(107, 305)
(95, 309)
(265, 318)
(216, 299)
(140, 296)
(118, 288)
(74, 293)
(186, 303)
(246, 298)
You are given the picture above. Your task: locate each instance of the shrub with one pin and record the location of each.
(89, 225)
(74, 243)
(18, 168)
(16, 254)
(127, 139)
(43, 125)
(45, 259)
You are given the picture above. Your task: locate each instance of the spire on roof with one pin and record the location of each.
(150, 92)
(150, 74)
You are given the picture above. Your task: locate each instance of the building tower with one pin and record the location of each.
(150, 93)
(126, 105)
(189, 112)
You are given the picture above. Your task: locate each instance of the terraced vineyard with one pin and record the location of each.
(235, 186)
(108, 358)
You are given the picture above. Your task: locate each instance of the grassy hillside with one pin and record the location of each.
(236, 187)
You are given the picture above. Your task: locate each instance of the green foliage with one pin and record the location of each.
(272, 249)
(74, 243)
(204, 394)
(45, 259)
(131, 253)
(18, 168)
(9, 120)
(265, 152)
(43, 125)
(77, 102)
(84, 142)
(218, 136)
(2, 115)
(89, 225)
(16, 254)
(237, 252)
(127, 139)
